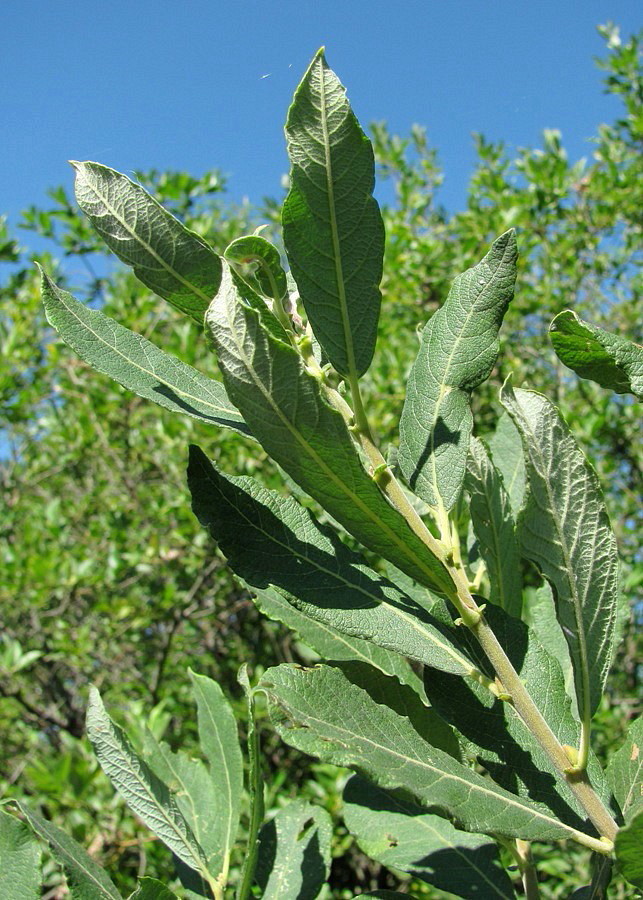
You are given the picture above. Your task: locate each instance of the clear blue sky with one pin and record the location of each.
(195, 84)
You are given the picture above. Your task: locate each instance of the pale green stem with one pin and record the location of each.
(527, 870)
(255, 790)
(472, 616)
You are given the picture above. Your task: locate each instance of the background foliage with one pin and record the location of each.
(106, 575)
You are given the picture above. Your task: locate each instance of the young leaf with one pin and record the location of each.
(294, 852)
(506, 452)
(401, 835)
(84, 875)
(168, 258)
(458, 351)
(20, 876)
(496, 736)
(333, 230)
(135, 363)
(284, 407)
(321, 712)
(219, 741)
(494, 527)
(625, 772)
(197, 796)
(259, 264)
(565, 530)
(274, 542)
(151, 889)
(627, 847)
(142, 790)
(609, 359)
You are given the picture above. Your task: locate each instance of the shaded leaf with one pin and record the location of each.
(402, 835)
(539, 614)
(142, 790)
(602, 867)
(506, 452)
(294, 852)
(20, 877)
(627, 847)
(196, 795)
(259, 264)
(285, 409)
(458, 351)
(135, 363)
(333, 230)
(609, 359)
(320, 712)
(625, 772)
(274, 542)
(565, 530)
(493, 523)
(87, 880)
(168, 258)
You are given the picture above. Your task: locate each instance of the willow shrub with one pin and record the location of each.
(468, 730)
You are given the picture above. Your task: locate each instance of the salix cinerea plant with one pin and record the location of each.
(491, 747)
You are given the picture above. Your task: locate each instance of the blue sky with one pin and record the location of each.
(195, 85)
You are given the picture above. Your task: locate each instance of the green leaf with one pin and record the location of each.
(168, 258)
(320, 712)
(565, 530)
(333, 230)
(506, 452)
(142, 790)
(625, 772)
(273, 542)
(609, 359)
(20, 877)
(458, 351)
(151, 889)
(197, 796)
(627, 847)
(602, 869)
(401, 835)
(259, 264)
(87, 880)
(331, 644)
(285, 409)
(294, 852)
(539, 614)
(135, 363)
(493, 523)
(495, 735)
(219, 741)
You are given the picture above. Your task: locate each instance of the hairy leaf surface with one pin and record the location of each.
(401, 835)
(135, 363)
(458, 351)
(506, 452)
(333, 230)
(219, 741)
(84, 875)
(274, 542)
(321, 712)
(143, 791)
(565, 530)
(493, 523)
(20, 876)
(284, 407)
(294, 852)
(168, 258)
(609, 359)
